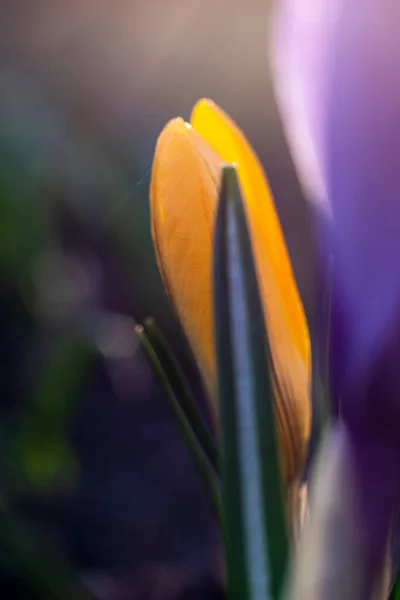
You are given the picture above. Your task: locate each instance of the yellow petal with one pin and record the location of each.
(283, 309)
(184, 191)
(227, 139)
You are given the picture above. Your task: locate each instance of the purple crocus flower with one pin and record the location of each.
(337, 73)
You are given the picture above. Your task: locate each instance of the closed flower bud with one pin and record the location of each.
(184, 193)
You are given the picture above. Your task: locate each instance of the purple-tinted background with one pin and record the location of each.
(96, 81)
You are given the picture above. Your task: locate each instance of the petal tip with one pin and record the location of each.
(204, 104)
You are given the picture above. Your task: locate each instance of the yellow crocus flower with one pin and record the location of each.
(183, 197)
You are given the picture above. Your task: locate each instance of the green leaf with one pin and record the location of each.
(182, 392)
(320, 388)
(256, 538)
(395, 591)
(198, 456)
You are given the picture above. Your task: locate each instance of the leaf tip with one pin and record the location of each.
(230, 188)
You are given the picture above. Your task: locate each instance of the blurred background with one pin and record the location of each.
(95, 480)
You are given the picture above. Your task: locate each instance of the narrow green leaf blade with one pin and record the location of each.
(395, 591)
(199, 458)
(182, 391)
(255, 525)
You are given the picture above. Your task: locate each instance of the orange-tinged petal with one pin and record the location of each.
(184, 192)
(183, 196)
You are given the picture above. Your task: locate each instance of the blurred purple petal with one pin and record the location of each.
(363, 142)
(337, 67)
(301, 58)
